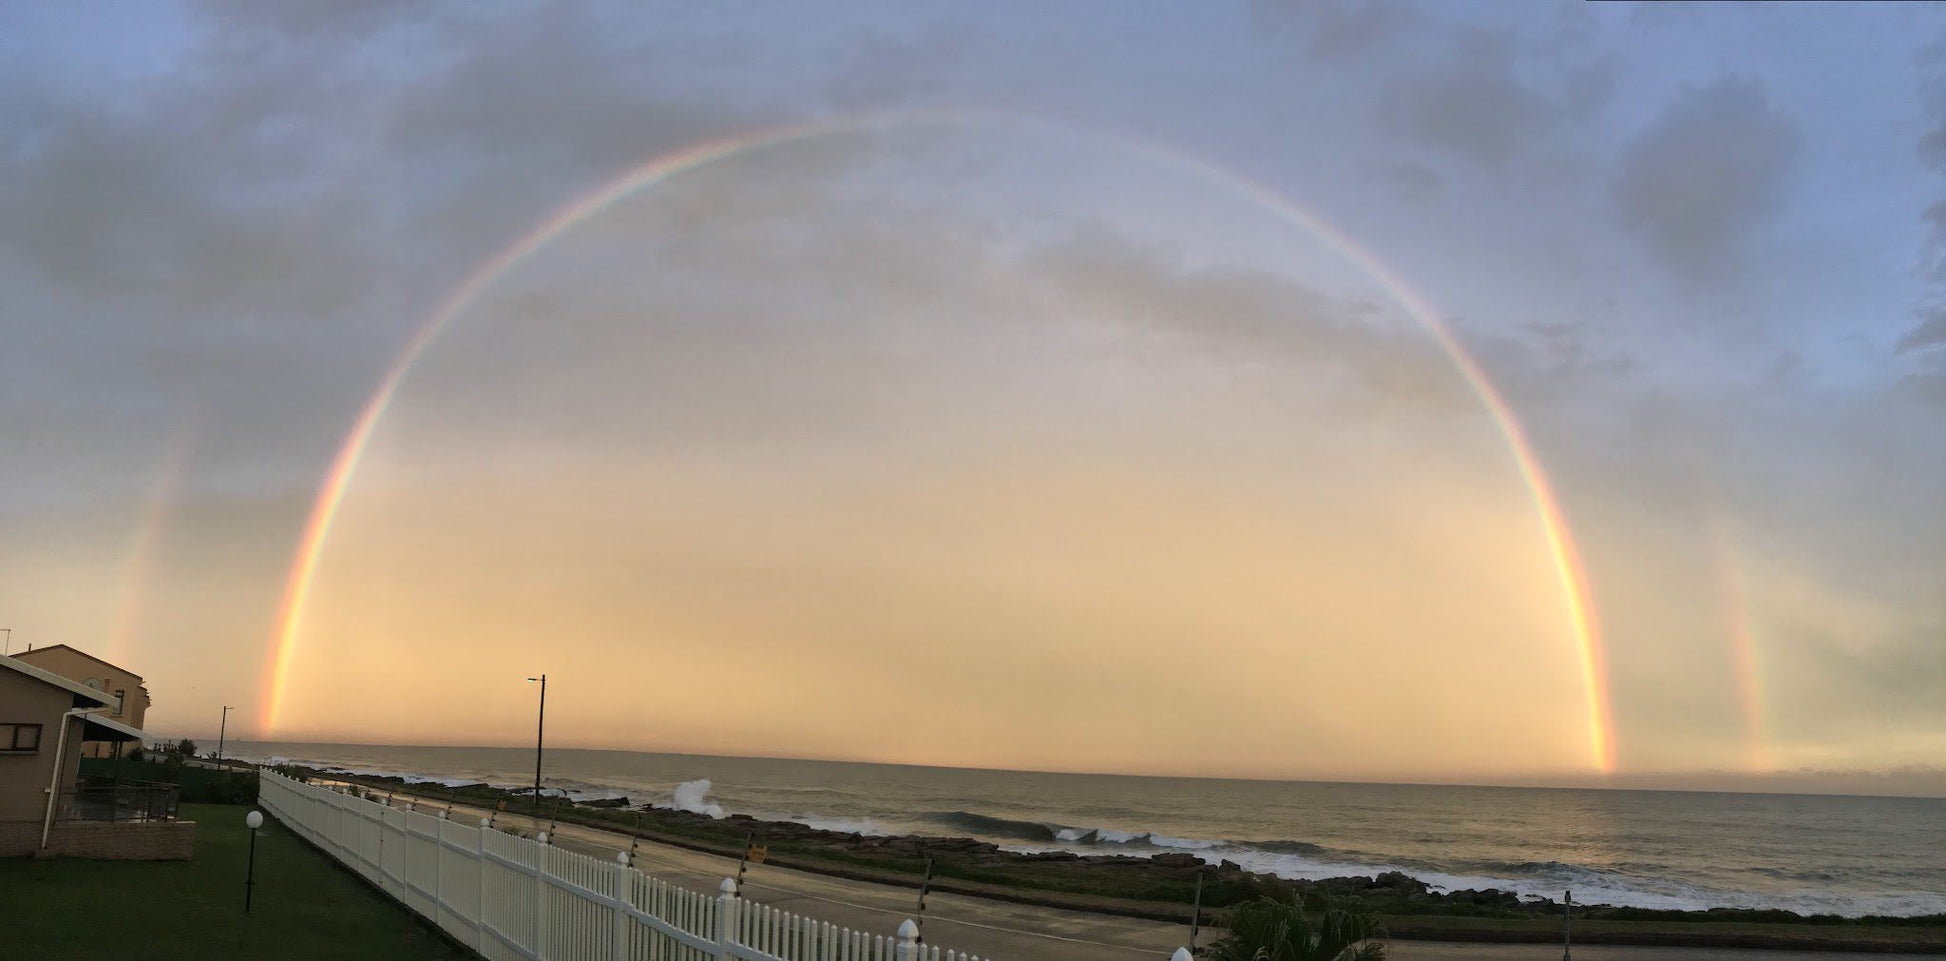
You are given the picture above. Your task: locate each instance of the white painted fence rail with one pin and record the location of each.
(514, 898)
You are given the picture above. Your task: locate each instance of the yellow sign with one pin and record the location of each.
(757, 852)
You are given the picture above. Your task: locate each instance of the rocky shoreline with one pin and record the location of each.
(1155, 882)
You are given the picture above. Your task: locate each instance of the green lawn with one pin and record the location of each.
(305, 905)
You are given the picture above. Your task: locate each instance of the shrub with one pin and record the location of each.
(1272, 930)
(228, 787)
(186, 748)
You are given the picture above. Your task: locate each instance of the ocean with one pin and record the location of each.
(1657, 849)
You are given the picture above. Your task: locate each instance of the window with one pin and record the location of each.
(121, 701)
(20, 738)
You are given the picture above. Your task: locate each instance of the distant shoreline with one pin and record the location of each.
(1160, 887)
(1932, 781)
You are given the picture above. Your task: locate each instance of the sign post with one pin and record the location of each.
(753, 853)
(1567, 924)
(1196, 914)
(925, 885)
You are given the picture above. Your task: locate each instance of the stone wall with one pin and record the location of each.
(19, 838)
(123, 840)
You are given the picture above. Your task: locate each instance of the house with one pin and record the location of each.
(44, 720)
(131, 696)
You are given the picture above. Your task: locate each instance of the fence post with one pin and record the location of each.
(380, 865)
(908, 941)
(540, 896)
(439, 869)
(479, 888)
(727, 906)
(622, 901)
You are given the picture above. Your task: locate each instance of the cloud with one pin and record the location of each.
(1929, 333)
(1931, 329)
(1472, 103)
(1706, 175)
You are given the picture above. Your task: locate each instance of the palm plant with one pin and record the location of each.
(1270, 930)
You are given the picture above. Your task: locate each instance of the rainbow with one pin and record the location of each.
(1568, 569)
(1742, 629)
(138, 560)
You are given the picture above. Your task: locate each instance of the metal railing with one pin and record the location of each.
(119, 801)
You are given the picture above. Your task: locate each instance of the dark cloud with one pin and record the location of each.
(1930, 332)
(1416, 182)
(1931, 329)
(1473, 103)
(1334, 28)
(1710, 171)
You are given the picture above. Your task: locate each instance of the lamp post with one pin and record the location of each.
(255, 820)
(540, 738)
(222, 729)
(9, 649)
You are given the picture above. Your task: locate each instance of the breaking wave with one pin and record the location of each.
(693, 796)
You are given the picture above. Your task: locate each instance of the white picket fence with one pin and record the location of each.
(514, 898)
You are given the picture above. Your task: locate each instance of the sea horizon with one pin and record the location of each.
(1539, 782)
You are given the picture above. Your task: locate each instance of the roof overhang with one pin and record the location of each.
(103, 729)
(100, 698)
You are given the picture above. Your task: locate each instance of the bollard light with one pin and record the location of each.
(253, 820)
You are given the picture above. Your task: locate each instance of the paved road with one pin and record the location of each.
(1019, 932)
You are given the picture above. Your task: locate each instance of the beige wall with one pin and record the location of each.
(109, 679)
(23, 777)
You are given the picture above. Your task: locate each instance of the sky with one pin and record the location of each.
(1519, 392)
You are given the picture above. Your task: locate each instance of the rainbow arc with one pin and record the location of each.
(1582, 623)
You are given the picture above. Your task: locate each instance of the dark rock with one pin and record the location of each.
(1175, 859)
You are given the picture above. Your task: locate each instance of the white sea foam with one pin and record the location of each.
(1186, 844)
(693, 796)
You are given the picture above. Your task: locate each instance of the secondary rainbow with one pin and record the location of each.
(1742, 629)
(138, 560)
(1582, 622)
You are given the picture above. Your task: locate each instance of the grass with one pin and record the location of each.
(305, 906)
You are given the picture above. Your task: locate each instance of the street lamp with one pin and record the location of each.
(9, 649)
(254, 820)
(540, 738)
(221, 729)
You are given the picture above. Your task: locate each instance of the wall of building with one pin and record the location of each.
(109, 679)
(24, 775)
(76, 666)
(101, 840)
(124, 840)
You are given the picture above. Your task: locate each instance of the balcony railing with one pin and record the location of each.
(119, 801)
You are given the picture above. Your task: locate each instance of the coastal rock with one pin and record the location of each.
(1175, 859)
(1401, 883)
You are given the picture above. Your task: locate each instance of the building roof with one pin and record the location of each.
(16, 664)
(76, 650)
(107, 729)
